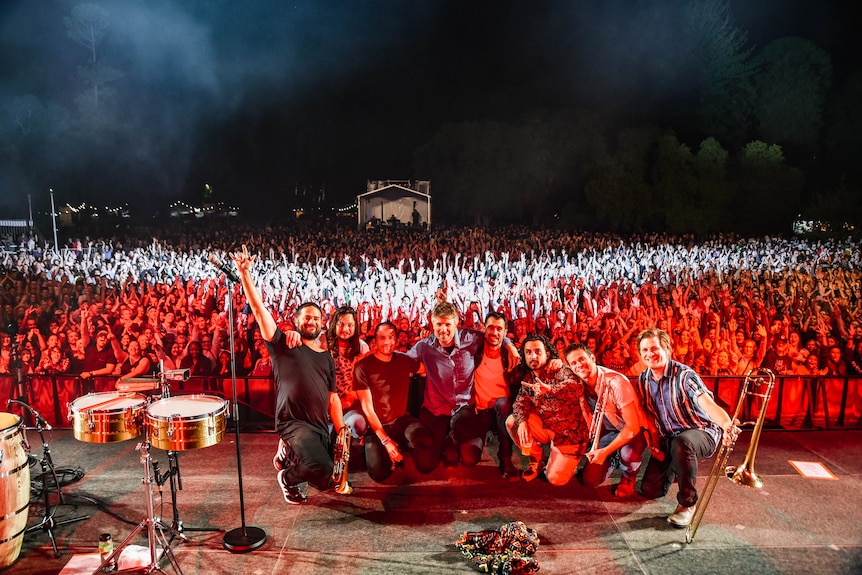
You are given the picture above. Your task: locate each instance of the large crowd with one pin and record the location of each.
(729, 303)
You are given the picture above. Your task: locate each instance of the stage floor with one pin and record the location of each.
(794, 525)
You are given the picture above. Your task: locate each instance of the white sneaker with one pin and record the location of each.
(682, 516)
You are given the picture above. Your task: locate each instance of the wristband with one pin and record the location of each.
(386, 441)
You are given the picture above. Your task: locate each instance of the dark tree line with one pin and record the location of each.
(765, 136)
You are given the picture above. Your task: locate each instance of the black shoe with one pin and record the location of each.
(292, 493)
(510, 473)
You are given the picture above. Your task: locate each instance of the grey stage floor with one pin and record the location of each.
(793, 525)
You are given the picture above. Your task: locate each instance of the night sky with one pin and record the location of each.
(259, 98)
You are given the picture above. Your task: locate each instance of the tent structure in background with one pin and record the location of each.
(395, 203)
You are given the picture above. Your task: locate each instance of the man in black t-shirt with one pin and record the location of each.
(306, 395)
(382, 382)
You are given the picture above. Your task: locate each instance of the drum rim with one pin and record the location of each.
(11, 429)
(166, 400)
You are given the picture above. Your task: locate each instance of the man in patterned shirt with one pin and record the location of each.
(549, 409)
(689, 423)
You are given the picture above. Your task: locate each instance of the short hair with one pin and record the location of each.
(496, 315)
(383, 324)
(578, 346)
(298, 311)
(549, 348)
(445, 309)
(663, 338)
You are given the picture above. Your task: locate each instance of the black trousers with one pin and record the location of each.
(309, 456)
(455, 437)
(413, 440)
(681, 454)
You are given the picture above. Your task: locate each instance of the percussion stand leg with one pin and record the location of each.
(177, 484)
(49, 472)
(155, 530)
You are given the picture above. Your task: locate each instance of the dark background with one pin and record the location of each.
(561, 112)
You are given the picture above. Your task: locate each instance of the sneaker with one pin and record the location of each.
(292, 493)
(626, 486)
(682, 516)
(278, 460)
(531, 472)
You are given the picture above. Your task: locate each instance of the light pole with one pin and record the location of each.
(54, 221)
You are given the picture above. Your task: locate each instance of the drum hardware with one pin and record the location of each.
(49, 472)
(174, 478)
(173, 474)
(155, 528)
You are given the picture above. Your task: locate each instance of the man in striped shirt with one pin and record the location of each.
(689, 423)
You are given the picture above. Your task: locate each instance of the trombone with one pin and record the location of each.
(758, 384)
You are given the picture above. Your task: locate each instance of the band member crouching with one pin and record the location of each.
(306, 395)
(549, 410)
(382, 382)
(619, 421)
(690, 424)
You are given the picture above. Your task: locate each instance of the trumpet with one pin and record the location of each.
(758, 384)
(340, 456)
(598, 417)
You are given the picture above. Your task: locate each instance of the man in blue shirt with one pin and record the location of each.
(448, 356)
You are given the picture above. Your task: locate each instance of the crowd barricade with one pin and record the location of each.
(796, 403)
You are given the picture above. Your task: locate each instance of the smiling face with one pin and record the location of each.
(653, 354)
(495, 330)
(582, 363)
(445, 327)
(385, 341)
(308, 322)
(345, 327)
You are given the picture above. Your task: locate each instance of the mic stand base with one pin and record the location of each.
(244, 539)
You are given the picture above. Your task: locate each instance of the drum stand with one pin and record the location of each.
(155, 529)
(176, 482)
(48, 523)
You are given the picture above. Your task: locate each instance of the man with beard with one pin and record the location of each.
(306, 394)
(619, 423)
(689, 423)
(549, 410)
(493, 391)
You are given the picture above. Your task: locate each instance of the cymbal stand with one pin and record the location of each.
(155, 528)
(49, 472)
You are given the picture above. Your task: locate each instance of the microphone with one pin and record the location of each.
(36, 415)
(231, 275)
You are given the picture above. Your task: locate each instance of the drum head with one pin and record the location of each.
(8, 420)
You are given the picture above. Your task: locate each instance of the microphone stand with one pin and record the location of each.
(49, 473)
(244, 538)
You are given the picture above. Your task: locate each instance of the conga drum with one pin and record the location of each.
(14, 487)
